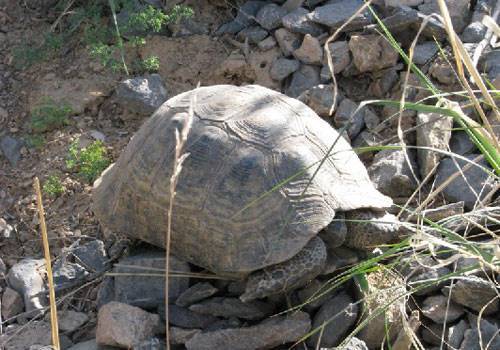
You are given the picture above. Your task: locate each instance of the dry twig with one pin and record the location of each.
(52, 294)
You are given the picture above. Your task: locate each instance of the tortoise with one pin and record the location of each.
(263, 177)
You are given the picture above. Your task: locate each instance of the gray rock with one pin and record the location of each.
(453, 335)
(335, 14)
(338, 315)
(345, 116)
(397, 3)
(195, 293)
(320, 99)
(478, 183)
(439, 309)
(150, 344)
(372, 52)
(67, 273)
(231, 322)
(420, 280)
(244, 18)
(267, 44)
(456, 334)
(124, 326)
(310, 52)
(298, 21)
(433, 131)
(489, 339)
(254, 34)
(26, 279)
(303, 79)
(355, 344)
(458, 9)
(148, 291)
(339, 52)
(460, 143)
(181, 335)
(334, 234)
(391, 173)
(12, 304)
(490, 62)
(70, 321)
(185, 318)
(282, 68)
(287, 41)
(233, 307)
(325, 75)
(142, 95)
(11, 148)
(270, 16)
(35, 332)
(367, 229)
(91, 345)
(106, 291)
(475, 293)
(473, 33)
(424, 52)
(236, 288)
(371, 118)
(338, 258)
(266, 335)
(92, 256)
(315, 294)
(6, 230)
(384, 82)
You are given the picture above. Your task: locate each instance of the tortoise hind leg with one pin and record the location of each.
(288, 275)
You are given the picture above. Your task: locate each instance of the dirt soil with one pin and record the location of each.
(79, 80)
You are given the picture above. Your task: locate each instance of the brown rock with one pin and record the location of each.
(310, 52)
(123, 325)
(12, 303)
(372, 52)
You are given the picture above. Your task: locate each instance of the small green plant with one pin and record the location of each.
(48, 115)
(53, 186)
(89, 161)
(150, 64)
(102, 31)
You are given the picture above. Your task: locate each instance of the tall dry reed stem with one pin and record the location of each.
(52, 294)
(179, 158)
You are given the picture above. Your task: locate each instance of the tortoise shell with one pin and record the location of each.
(258, 184)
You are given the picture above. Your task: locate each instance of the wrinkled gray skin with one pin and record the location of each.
(243, 142)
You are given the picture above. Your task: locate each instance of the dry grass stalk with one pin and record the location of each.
(179, 158)
(52, 294)
(462, 57)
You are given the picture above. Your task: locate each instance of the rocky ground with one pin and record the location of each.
(280, 45)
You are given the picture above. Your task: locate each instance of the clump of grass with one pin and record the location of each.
(53, 186)
(30, 53)
(89, 162)
(35, 141)
(48, 116)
